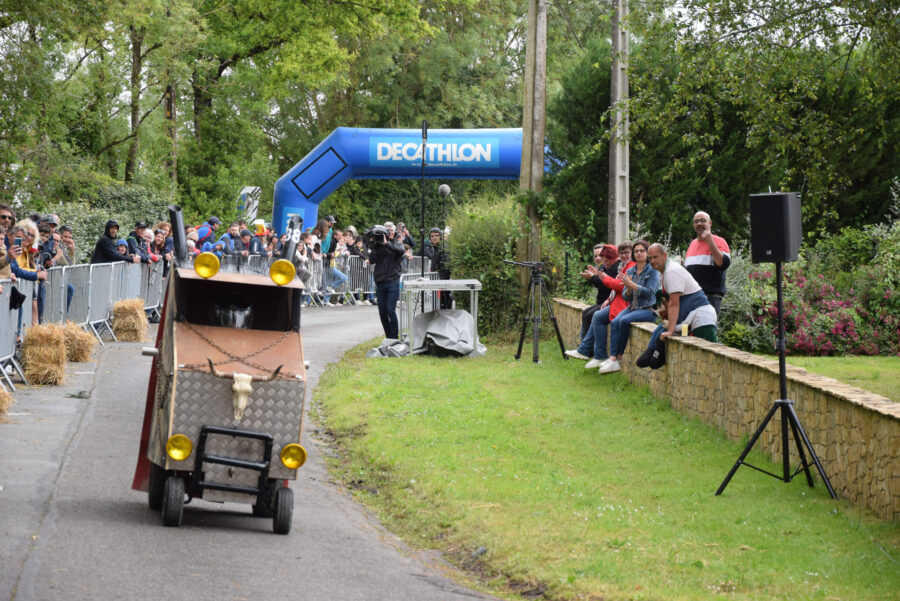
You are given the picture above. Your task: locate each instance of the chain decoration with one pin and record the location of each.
(231, 357)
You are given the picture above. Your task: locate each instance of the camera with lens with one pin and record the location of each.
(376, 235)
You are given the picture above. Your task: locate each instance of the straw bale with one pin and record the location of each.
(130, 321)
(6, 402)
(44, 354)
(80, 345)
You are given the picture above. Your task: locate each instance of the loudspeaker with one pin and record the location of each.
(775, 227)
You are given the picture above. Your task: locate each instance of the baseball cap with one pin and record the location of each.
(246, 233)
(434, 229)
(213, 220)
(140, 224)
(51, 218)
(330, 219)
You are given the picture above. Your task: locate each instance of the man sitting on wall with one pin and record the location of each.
(687, 305)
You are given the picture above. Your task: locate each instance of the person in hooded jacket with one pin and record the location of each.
(105, 250)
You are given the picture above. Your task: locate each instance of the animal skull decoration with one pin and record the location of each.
(241, 388)
(241, 393)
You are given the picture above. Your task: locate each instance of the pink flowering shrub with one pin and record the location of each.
(842, 297)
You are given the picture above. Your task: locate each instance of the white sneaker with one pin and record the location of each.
(610, 367)
(595, 363)
(576, 355)
(330, 304)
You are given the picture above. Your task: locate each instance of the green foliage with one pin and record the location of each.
(482, 236)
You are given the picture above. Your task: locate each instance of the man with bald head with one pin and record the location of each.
(686, 305)
(706, 260)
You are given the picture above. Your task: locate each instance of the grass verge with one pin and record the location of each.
(550, 481)
(880, 375)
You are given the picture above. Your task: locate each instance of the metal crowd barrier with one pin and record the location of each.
(8, 324)
(79, 276)
(422, 302)
(100, 303)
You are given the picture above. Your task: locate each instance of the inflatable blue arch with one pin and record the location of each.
(357, 153)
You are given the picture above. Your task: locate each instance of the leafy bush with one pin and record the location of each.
(840, 298)
(482, 235)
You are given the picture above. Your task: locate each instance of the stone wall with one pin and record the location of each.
(856, 434)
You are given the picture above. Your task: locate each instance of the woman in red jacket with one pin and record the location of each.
(593, 343)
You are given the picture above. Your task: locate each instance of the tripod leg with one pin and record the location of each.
(536, 319)
(749, 446)
(562, 348)
(525, 319)
(795, 422)
(798, 441)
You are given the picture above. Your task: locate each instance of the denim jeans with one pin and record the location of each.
(620, 330)
(594, 343)
(388, 294)
(332, 277)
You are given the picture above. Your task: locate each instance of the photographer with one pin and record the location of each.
(387, 256)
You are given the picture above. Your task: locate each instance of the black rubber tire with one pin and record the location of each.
(157, 487)
(265, 503)
(173, 502)
(284, 510)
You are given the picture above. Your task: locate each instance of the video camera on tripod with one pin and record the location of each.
(537, 291)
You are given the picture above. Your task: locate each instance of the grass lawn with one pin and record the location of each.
(549, 480)
(880, 375)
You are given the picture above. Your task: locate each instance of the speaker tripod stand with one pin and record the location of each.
(537, 290)
(788, 419)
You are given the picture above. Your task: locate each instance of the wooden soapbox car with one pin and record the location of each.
(226, 397)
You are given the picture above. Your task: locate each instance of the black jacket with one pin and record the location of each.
(597, 281)
(388, 261)
(138, 246)
(439, 260)
(105, 249)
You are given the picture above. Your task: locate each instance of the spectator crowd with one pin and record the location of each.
(634, 281)
(639, 282)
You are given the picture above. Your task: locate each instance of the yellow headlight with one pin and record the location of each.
(293, 456)
(179, 447)
(206, 265)
(282, 272)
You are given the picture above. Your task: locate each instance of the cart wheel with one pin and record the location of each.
(265, 502)
(157, 487)
(284, 509)
(173, 501)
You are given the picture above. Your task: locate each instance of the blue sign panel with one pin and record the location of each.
(355, 153)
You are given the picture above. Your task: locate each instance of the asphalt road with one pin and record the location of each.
(73, 529)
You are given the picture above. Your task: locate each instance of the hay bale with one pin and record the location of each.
(80, 345)
(130, 321)
(6, 402)
(44, 354)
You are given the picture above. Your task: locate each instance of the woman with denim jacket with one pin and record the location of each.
(641, 283)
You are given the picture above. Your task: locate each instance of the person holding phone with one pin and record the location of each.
(25, 266)
(706, 260)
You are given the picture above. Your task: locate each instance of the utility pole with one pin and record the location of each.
(531, 175)
(617, 228)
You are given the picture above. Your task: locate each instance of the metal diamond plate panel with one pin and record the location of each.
(274, 407)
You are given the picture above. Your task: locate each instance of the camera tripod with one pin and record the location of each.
(537, 290)
(788, 418)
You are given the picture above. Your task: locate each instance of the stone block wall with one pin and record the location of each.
(856, 434)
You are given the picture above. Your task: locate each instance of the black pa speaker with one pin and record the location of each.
(775, 228)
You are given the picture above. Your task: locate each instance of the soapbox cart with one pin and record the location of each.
(226, 397)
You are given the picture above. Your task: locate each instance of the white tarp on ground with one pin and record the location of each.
(447, 329)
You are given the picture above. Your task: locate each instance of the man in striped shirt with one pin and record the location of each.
(706, 260)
